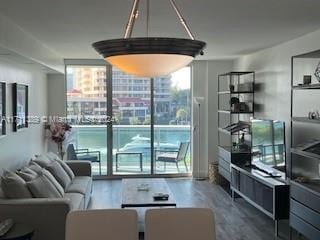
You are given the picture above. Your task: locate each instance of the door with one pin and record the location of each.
(129, 121)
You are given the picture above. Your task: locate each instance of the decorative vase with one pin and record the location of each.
(317, 72)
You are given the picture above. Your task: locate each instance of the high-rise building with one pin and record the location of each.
(131, 94)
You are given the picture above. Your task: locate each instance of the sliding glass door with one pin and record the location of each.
(137, 126)
(86, 89)
(131, 111)
(172, 123)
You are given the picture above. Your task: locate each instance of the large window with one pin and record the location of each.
(172, 119)
(151, 120)
(87, 109)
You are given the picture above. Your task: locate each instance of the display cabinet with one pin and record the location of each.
(235, 108)
(304, 167)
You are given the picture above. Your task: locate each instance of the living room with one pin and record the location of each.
(159, 119)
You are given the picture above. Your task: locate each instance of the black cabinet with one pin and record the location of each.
(269, 195)
(247, 186)
(264, 196)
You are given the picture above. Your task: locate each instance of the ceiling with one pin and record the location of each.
(230, 27)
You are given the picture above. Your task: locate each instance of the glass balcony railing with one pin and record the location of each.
(134, 139)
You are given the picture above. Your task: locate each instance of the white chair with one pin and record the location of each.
(113, 224)
(180, 224)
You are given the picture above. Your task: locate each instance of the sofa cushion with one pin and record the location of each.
(42, 187)
(35, 167)
(42, 160)
(59, 173)
(54, 157)
(66, 168)
(83, 185)
(53, 181)
(13, 186)
(76, 201)
(80, 184)
(46, 160)
(27, 174)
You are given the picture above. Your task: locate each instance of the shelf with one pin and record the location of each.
(235, 73)
(306, 120)
(234, 133)
(312, 186)
(229, 112)
(229, 149)
(307, 86)
(240, 92)
(305, 153)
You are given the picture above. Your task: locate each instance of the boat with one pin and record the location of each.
(143, 144)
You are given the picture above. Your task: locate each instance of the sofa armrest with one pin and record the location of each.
(46, 216)
(80, 168)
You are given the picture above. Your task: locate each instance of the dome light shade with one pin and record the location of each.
(149, 65)
(149, 57)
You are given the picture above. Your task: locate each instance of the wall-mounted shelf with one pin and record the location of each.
(232, 112)
(305, 153)
(305, 120)
(234, 133)
(240, 92)
(235, 73)
(307, 86)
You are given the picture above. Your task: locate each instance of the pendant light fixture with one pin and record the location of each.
(149, 56)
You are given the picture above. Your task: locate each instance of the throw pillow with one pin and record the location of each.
(35, 167)
(53, 181)
(42, 160)
(66, 168)
(13, 186)
(54, 157)
(41, 187)
(27, 174)
(59, 173)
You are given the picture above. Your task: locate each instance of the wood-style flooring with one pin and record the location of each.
(234, 220)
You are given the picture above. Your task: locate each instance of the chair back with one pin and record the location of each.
(183, 150)
(109, 224)
(71, 153)
(180, 224)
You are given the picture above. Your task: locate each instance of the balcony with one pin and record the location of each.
(133, 138)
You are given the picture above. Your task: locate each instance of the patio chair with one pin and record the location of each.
(170, 156)
(84, 154)
(116, 224)
(180, 224)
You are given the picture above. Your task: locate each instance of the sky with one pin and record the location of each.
(182, 78)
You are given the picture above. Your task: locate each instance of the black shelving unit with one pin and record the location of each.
(239, 87)
(304, 166)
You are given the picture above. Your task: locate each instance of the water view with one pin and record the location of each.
(128, 138)
(132, 111)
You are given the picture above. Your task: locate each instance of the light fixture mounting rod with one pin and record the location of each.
(133, 16)
(148, 17)
(183, 22)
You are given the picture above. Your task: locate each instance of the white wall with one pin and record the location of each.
(18, 147)
(204, 84)
(56, 95)
(273, 76)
